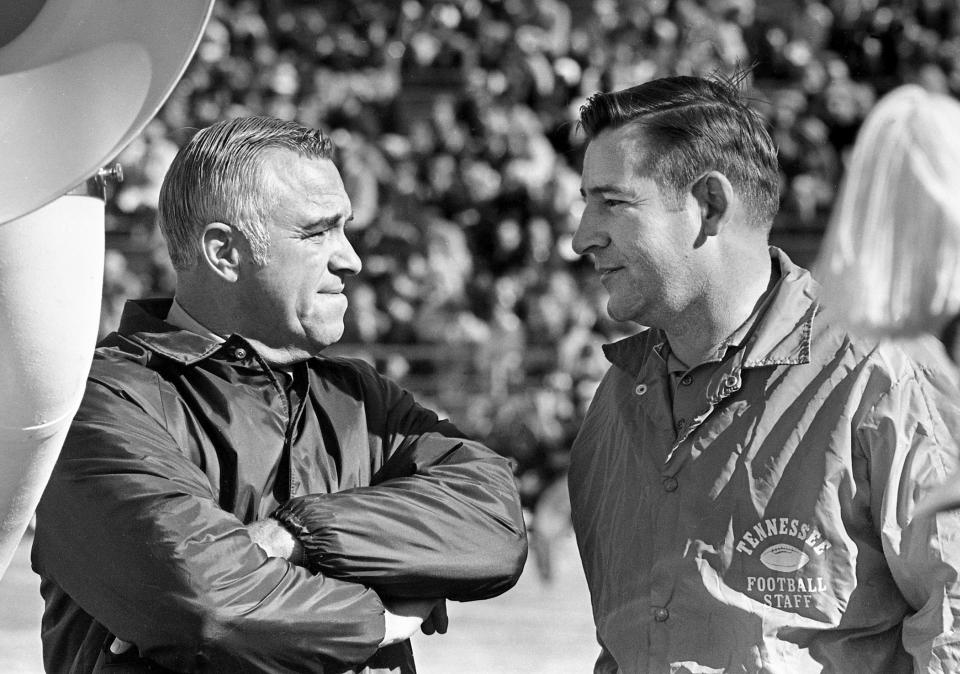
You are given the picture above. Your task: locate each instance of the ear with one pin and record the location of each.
(221, 250)
(714, 195)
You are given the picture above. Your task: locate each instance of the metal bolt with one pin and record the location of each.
(110, 174)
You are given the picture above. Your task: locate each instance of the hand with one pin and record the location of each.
(275, 540)
(402, 618)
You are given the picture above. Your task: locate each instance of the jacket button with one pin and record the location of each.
(660, 614)
(239, 353)
(686, 380)
(641, 389)
(670, 484)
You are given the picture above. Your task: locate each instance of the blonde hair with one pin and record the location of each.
(890, 258)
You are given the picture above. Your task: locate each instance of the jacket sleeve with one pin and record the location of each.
(131, 531)
(442, 516)
(911, 441)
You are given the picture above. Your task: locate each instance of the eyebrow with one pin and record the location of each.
(599, 189)
(327, 222)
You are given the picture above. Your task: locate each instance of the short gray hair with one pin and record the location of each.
(216, 177)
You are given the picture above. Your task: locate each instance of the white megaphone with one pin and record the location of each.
(79, 79)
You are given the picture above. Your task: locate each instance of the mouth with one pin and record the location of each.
(607, 272)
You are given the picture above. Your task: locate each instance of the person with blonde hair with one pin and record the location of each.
(890, 258)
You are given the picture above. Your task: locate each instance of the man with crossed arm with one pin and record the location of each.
(228, 498)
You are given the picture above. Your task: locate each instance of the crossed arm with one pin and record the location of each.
(137, 539)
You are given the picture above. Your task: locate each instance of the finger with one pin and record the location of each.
(439, 617)
(120, 646)
(427, 627)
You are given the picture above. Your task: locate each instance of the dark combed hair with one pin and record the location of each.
(695, 125)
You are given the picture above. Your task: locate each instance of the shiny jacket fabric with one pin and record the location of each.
(774, 533)
(181, 441)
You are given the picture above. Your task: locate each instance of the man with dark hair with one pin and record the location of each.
(743, 483)
(228, 499)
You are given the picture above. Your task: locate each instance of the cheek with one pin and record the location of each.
(633, 238)
(642, 259)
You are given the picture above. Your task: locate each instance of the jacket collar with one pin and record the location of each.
(781, 335)
(143, 322)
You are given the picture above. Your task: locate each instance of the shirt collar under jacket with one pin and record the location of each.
(736, 339)
(776, 339)
(142, 322)
(181, 318)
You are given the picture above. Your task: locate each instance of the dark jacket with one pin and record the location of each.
(180, 441)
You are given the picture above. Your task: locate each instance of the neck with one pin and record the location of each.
(220, 318)
(211, 315)
(707, 323)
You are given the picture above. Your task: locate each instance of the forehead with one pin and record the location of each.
(310, 179)
(615, 157)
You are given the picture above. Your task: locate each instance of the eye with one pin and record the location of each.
(328, 227)
(321, 232)
(316, 235)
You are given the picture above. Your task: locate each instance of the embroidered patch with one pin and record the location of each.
(781, 562)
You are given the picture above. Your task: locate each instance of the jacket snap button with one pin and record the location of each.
(661, 614)
(240, 353)
(686, 380)
(670, 484)
(641, 389)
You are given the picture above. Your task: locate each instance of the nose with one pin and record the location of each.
(589, 235)
(345, 259)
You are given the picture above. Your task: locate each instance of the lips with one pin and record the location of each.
(607, 272)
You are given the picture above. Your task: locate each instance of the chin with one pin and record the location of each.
(327, 337)
(618, 313)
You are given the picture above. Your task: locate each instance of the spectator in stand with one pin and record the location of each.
(744, 483)
(890, 259)
(228, 499)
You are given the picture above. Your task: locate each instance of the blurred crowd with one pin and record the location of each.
(456, 127)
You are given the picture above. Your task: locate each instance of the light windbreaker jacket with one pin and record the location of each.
(774, 532)
(180, 441)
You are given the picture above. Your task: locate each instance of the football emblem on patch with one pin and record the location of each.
(784, 558)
